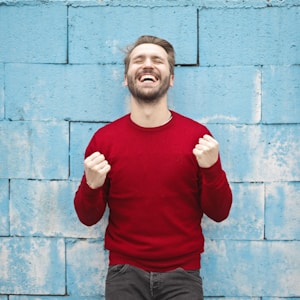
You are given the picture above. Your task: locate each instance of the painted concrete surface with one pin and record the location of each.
(61, 78)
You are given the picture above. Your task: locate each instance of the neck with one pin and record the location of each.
(150, 115)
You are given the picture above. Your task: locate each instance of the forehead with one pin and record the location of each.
(149, 50)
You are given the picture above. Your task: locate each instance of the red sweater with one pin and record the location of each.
(156, 194)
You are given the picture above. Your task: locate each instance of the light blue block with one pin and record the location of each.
(249, 198)
(278, 298)
(32, 266)
(268, 36)
(281, 94)
(283, 211)
(1, 91)
(4, 207)
(47, 210)
(100, 34)
(65, 92)
(259, 153)
(218, 95)
(233, 298)
(80, 136)
(86, 268)
(34, 34)
(52, 298)
(34, 150)
(251, 268)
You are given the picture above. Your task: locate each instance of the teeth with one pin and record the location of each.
(147, 77)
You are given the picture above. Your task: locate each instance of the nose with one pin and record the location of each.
(148, 63)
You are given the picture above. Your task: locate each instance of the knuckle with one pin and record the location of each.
(87, 164)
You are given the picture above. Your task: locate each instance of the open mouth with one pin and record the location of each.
(148, 78)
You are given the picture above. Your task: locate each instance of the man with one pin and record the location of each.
(158, 172)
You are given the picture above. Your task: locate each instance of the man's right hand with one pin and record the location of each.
(96, 168)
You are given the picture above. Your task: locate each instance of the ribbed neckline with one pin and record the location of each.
(152, 129)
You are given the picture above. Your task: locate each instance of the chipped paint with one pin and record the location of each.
(258, 96)
(218, 118)
(4, 258)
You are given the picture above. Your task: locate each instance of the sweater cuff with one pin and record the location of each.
(89, 192)
(213, 174)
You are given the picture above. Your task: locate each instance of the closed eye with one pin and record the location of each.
(137, 61)
(140, 59)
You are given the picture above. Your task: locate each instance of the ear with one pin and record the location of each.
(125, 83)
(172, 80)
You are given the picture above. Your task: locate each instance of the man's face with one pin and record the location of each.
(148, 77)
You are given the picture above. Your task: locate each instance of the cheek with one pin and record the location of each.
(131, 72)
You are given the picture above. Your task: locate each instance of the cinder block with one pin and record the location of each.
(36, 150)
(281, 94)
(65, 92)
(233, 298)
(249, 36)
(251, 268)
(283, 211)
(34, 34)
(53, 298)
(247, 197)
(278, 298)
(100, 34)
(86, 268)
(1, 91)
(218, 95)
(4, 210)
(32, 266)
(47, 210)
(263, 153)
(80, 136)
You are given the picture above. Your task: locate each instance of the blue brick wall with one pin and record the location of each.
(61, 73)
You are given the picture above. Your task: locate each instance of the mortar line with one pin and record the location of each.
(67, 57)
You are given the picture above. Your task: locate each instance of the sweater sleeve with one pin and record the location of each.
(216, 195)
(89, 203)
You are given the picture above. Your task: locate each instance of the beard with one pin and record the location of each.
(148, 94)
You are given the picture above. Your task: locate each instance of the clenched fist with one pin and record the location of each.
(206, 151)
(96, 168)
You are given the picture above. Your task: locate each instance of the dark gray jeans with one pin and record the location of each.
(125, 282)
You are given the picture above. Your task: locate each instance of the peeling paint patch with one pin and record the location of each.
(283, 211)
(4, 207)
(281, 156)
(48, 210)
(249, 268)
(114, 45)
(247, 197)
(94, 267)
(218, 118)
(29, 152)
(259, 153)
(28, 266)
(257, 96)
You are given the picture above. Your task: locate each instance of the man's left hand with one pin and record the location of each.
(206, 151)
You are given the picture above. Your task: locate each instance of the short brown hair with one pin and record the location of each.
(149, 39)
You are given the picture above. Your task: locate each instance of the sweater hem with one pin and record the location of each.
(187, 262)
